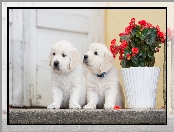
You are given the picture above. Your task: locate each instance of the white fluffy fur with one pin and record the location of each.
(68, 83)
(102, 92)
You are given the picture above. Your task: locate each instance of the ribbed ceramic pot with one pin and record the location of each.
(140, 84)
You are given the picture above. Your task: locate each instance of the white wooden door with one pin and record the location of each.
(78, 26)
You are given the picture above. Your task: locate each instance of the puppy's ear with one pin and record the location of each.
(49, 59)
(53, 47)
(74, 59)
(107, 63)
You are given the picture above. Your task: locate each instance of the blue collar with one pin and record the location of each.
(101, 75)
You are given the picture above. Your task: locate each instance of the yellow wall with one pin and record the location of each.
(117, 19)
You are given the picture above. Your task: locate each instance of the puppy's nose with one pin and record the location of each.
(56, 63)
(85, 56)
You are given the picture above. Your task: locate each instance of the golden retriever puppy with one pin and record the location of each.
(103, 88)
(68, 82)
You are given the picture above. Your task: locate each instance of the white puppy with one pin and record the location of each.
(68, 82)
(103, 88)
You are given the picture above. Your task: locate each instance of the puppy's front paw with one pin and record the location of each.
(89, 106)
(53, 106)
(74, 106)
(108, 106)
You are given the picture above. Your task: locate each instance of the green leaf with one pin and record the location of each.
(144, 33)
(153, 59)
(142, 37)
(129, 63)
(151, 38)
(149, 31)
(126, 51)
(153, 30)
(142, 64)
(135, 60)
(140, 59)
(125, 37)
(123, 63)
(140, 52)
(150, 53)
(138, 34)
(143, 54)
(133, 44)
(145, 46)
(135, 30)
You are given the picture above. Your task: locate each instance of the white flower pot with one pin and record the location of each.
(140, 84)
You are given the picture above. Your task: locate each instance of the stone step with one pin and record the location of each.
(82, 116)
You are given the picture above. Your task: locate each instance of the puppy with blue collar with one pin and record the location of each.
(103, 87)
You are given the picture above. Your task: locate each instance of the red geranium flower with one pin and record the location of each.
(149, 25)
(122, 51)
(132, 23)
(157, 28)
(142, 23)
(157, 50)
(135, 50)
(124, 44)
(122, 34)
(117, 107)
(133, 20)
(128, 29)
(113, 41)
(133, 54)
(162, 36)
(128, 56)
(113, 48)
(162, 40)
(120, 57)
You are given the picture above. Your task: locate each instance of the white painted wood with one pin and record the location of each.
(62, 21)
(96, 29)
(82, 12)
(17, 57)
(32, 56)
(10, 62)
(26, 60)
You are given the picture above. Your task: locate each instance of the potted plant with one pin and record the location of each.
(139, 43)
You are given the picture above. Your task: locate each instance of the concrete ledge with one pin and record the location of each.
(99, 116)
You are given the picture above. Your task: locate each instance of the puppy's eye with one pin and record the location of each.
(95, 53)
(63, 55)
(54, 53)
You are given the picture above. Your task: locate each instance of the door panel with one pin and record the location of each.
(62, 21)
